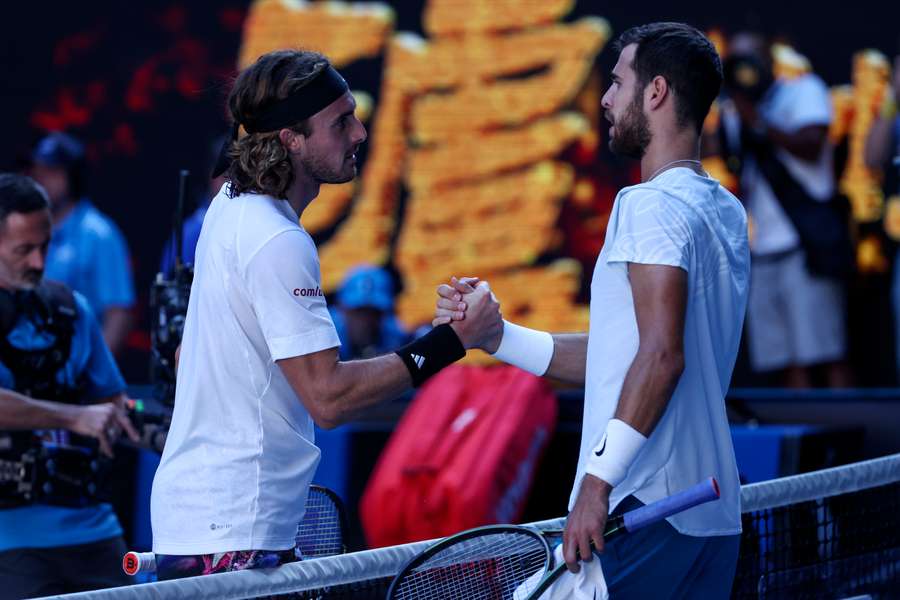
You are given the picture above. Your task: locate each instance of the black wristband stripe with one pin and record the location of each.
(430, 353)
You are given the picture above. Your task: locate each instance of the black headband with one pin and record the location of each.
(325, 88)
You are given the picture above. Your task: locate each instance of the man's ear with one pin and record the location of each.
(656, 92)
(293, 142)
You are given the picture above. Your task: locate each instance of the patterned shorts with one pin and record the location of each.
(170, 566)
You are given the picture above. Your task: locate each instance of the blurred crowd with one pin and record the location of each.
(772, 132)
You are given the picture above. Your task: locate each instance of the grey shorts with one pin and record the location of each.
(793, 318)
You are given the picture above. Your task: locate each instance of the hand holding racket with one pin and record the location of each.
(498, 561)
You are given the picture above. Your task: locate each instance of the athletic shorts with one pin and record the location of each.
(170, 566)
(793, 318)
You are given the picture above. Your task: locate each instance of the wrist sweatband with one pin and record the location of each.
(616, 451)
(529, 349)
(430, 353)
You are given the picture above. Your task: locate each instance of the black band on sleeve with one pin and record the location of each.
(430, 353)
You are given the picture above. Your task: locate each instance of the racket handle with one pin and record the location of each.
(657, 511)
(139, 562)
(641, 517)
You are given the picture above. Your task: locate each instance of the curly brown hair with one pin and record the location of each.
(259, 162)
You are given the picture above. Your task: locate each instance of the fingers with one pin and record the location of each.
(570, 552)
(448, 292)
(125, 424)
(464, 285)
(440, 321)
(597, 541)
(451, 304)
(105, 447)
(584, 547)
(453, 315)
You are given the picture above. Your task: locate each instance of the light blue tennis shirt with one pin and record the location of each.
(44, 526)
(88, 253)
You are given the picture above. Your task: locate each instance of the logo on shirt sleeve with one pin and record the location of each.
(315, 292)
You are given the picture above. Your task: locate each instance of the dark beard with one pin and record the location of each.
(321, 173)
(632, 133)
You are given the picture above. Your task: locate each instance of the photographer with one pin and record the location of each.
(60, 392)
(776, 134)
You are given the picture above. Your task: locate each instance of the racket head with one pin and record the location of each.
(323, 529)
(483, 563)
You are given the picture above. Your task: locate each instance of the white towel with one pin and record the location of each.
(587, 584)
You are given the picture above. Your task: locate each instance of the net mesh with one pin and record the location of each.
(829, 534)
(825, 544)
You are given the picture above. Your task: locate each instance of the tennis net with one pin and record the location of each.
(833, 533)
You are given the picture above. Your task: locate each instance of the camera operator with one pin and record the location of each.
(60, 391)
(776, 134)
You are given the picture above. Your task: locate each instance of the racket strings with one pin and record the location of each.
(489, 567)
(320, 532)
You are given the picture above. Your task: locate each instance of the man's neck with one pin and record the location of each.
(671, 149)
(303, 190)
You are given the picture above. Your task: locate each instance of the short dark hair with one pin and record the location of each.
(685, 58)
(20, 194)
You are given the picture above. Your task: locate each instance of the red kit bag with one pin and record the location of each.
(463, 455)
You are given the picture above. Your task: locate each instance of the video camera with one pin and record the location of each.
(169, 296)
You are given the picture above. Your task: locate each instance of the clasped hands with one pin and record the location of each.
(473, 312)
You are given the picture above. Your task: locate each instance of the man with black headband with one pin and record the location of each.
(259, 358)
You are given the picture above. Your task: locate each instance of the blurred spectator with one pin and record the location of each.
(87, 252)
(882, 151)
(190, 231)
(776, 132)
(364, 315)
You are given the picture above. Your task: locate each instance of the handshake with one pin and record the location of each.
(473, 312)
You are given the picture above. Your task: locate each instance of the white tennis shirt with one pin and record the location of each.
(683, 220)
(240, 453)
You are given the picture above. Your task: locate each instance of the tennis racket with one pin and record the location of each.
(498, 562)
(324, 525)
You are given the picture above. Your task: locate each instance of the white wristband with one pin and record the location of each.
(528, 349)
(616, 451)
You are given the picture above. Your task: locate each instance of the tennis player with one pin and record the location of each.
(259, 357)
(668, 297)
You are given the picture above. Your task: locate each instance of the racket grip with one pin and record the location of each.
(139, 562)
(657, 511)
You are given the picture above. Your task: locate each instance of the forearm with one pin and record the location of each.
(19, 412)
(116, 326)
(648, 387)
(569, 358)
(353, 386)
